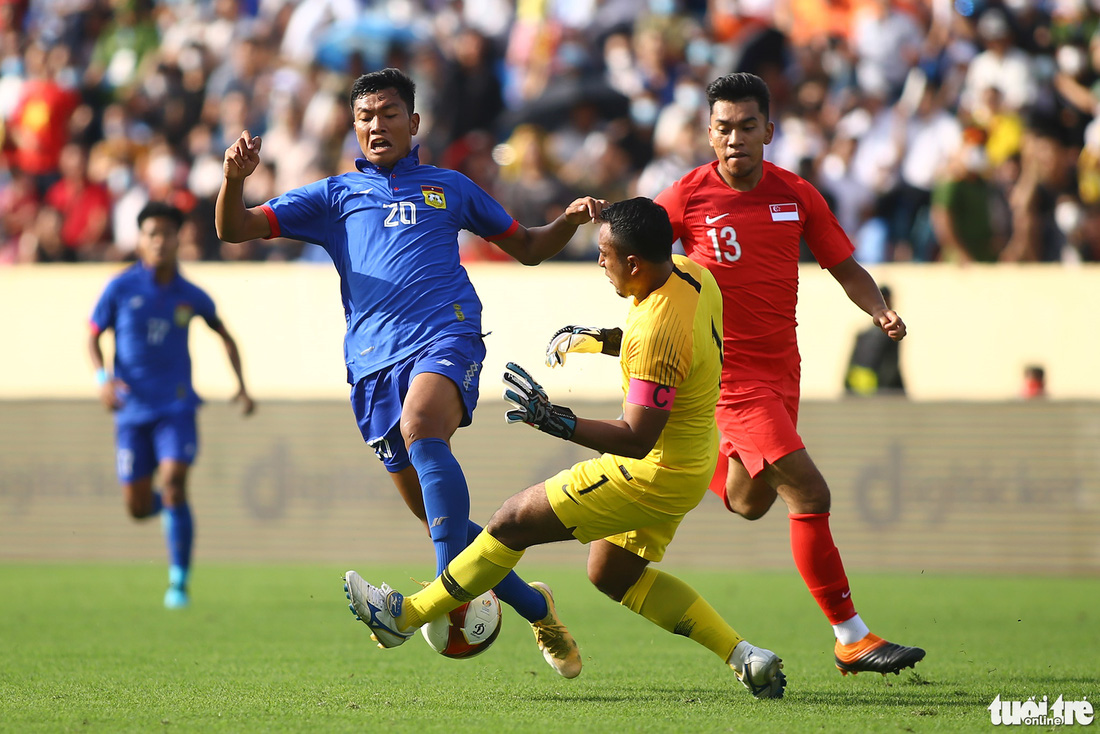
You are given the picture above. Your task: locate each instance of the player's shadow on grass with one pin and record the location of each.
(665, 696)
(896, 696)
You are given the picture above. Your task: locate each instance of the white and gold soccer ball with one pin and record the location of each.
(466, 631)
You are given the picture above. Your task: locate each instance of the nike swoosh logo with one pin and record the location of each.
(712, 220)
(846, 594)
(365, 191)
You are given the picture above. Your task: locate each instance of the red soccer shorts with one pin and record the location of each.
(758, 424)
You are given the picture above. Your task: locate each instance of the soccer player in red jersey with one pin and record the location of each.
(743, 218)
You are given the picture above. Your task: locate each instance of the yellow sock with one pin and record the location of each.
(673, 605)
(481, 566)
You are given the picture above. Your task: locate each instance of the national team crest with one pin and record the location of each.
(433, 196)
(183, 314)
(784, 212)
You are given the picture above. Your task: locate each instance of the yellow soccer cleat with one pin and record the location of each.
(557, 645)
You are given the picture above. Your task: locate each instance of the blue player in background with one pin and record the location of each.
(413, 346)
(149, 306)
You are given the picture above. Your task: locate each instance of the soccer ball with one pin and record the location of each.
(466, 631)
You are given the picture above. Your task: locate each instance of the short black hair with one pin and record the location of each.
(390, 78)
(640, 226)
(161, 209)
(738, 87)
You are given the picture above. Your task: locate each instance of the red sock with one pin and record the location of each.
(818, 560)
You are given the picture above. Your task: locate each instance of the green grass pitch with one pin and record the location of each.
(274, 648)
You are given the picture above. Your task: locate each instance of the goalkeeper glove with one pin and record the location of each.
(582, 339)
(533, 407)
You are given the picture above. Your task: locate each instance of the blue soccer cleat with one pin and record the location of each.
(176, 598)
(378, 608)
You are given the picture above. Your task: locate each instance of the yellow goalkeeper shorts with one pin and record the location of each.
(599, 499)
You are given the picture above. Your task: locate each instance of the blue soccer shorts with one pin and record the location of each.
(140, 447)
(377, 398)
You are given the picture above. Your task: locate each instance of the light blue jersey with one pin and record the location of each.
(393, 237)
(151, 354)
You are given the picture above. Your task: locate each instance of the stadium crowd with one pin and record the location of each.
(938, 130)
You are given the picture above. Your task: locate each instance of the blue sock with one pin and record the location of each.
(179, 532)
(514, 591)
(446, 497)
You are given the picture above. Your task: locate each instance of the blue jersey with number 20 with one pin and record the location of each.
(393, 236)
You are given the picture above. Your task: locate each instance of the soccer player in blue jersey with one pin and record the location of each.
(414, 345)
(149, 306)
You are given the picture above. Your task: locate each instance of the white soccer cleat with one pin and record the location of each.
(378, 608)
(759, 670)
(557, 645)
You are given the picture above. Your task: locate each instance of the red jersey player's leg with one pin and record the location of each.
(758, 428)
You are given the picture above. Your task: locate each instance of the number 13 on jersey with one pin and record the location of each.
(726, 246)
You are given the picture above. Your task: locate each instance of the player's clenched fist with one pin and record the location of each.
(242, 157)
(891, 324)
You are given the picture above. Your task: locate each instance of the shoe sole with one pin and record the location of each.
(846, 668)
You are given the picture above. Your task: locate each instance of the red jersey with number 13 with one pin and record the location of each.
(750, 243)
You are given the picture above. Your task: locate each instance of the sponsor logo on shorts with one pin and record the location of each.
(381, 448)
(471, 373)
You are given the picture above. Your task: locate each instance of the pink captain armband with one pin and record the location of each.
(650, 394)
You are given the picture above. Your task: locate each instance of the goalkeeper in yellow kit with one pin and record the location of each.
(655, 467)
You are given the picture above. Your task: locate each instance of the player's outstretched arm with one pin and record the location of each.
(633, 436)
(234, 354)
(106, 382)
(532, 246)
(583, 340)
(234, 221)
(864, 292)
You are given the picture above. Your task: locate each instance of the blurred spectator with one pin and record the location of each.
(874, 367)
(38, 127)
(470, 97)
(530, 188)
(1044, 174)
(86, 205)
(677, 148)
(1004, 128)
(965, 210)
(1035, 383)
(19, 202)
(120, 58)
(41, 243)
(1001, 65)
(932, 135)
(888, 42)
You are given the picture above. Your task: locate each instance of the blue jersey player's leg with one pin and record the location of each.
(408, 414)
(441, 397)
(135, 461)
(177, 444)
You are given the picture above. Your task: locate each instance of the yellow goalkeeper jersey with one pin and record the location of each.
(674, 338)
